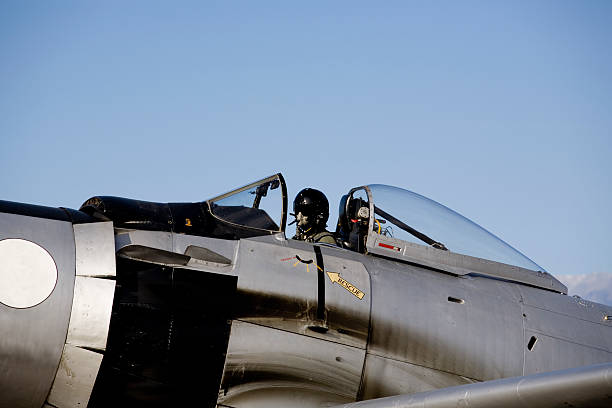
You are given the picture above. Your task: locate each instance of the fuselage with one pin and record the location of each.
(140, 304)
(415, 329)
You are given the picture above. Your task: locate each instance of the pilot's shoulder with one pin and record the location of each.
(325, 237)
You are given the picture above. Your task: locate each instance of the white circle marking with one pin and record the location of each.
(28, 273)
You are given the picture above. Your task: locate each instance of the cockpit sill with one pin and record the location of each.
(461, 265)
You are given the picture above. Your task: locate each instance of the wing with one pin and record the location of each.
(588, 386)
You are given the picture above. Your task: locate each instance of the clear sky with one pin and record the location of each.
(499, 110)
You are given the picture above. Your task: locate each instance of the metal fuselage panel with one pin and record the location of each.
(32, 338)
(448, 330)
(564, 332)
(299, 336)
(285, 284)
(268, 367)
(415, 329)
(262, 321)
(470, 327)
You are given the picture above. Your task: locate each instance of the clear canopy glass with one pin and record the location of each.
(411, 217)
(258, 205)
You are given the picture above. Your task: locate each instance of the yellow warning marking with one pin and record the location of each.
(336, 278)
(187, 222)
(299, 260)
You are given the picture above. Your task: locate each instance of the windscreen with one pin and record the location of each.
(411, 217)
(259, 205)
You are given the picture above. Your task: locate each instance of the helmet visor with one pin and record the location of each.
(305, 208)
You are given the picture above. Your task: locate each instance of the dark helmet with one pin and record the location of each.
(312, 203)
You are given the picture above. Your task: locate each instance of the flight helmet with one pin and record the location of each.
(313, 204)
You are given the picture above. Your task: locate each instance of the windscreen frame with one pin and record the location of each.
(283, 221)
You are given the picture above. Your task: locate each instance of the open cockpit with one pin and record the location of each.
(373, 219)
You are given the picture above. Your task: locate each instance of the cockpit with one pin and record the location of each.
(378, 219)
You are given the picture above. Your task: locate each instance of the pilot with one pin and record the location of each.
(311, 211)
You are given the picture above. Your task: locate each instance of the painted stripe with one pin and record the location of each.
(387, 246)
(320, 284)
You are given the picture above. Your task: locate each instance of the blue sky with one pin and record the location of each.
(499, 110)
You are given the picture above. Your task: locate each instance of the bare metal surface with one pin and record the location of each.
(91, 312)
(95, 249)
(32, 339)
(569, 331)
(572, 306)
(170, 249)
(316, 325)
(428, 330)
(152, 239)
(280, 279)
(224, 249)
(384, 377)
(567, 328)
(273, 368)
(589, 386)
(75, 378)
(551, 353)
(85, 343)
(413, 321)
(207, 255)
(460, 264)
(90, 316)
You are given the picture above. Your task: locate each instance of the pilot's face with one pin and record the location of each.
(302, 219)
